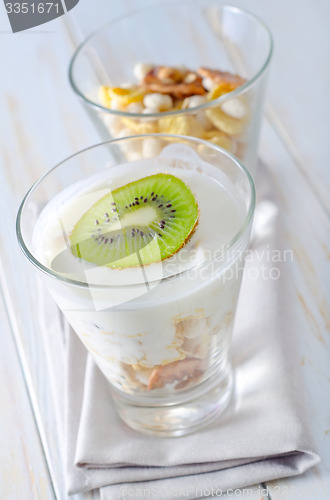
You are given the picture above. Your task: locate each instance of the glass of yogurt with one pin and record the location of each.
(145, 259)
(188, 68)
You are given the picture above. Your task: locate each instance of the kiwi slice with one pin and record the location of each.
(142, 222)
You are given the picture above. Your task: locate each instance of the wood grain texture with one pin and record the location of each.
(307, 234)
(23, 468)
(40, 124)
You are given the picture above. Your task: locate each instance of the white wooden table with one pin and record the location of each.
(41, 123)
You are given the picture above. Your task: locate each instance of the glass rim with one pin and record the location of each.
(229, 95)
(53, 274)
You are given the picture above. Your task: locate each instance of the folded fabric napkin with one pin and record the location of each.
(262, 436)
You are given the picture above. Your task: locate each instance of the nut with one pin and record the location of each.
(208, 83)
(196, 100)
(141, 69)
(220, 76)
(191, 77)
(157, 102)
(135, 107)
(173, 74)
(154, 82)
(178, 371)
(234, 108)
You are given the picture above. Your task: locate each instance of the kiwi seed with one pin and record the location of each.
(145, 221)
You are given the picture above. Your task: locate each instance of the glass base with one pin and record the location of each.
(205, 404)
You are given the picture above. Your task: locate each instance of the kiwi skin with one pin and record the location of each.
(101, 236)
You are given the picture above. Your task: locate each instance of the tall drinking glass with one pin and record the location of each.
(199, 36)
(159, 328)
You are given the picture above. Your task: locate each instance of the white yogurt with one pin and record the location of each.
(149, 315)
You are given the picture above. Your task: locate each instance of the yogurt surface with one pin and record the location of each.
(219, 221)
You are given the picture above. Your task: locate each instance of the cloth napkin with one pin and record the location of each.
(263, 435)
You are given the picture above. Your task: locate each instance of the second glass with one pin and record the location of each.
(207, 65)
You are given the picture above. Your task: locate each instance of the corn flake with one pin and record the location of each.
(219, 139)
(181, 125)
(104, 96)
(220, 90)
(126, 96)
(143, 127)
(223, 122)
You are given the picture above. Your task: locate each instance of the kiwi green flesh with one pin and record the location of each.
(137, 224)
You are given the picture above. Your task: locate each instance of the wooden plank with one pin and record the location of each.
(307, 236)
(41, 123)
(23, 468)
